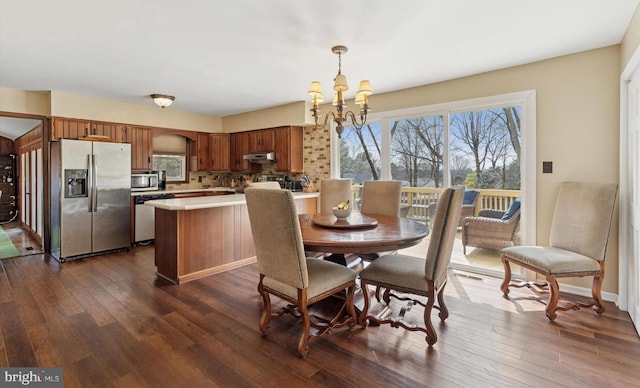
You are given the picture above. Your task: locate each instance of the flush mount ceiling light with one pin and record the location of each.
(162, 100)
(340, 86)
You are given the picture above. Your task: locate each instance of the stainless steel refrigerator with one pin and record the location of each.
(90, 198)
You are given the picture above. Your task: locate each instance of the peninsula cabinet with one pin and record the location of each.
(238, 146)
(288, 147)
(141, 140)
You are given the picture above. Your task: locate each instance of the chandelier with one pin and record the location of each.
(340, 86)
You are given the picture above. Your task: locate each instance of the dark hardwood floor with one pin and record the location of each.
(22, 240)
(109, 322)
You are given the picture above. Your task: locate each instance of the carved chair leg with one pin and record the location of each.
(444, 311)
(554, 297)
(303, 342)
(432, 337)
(351, 309)
(507, 277)
(597, 297)
(362, 320)
(266, 308)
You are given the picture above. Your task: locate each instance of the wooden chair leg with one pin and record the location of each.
(265, 318)
(554, 297)
(432, 337)
(597, 297)
(362, 320)
(351, 309)
(507, 277)
(303, 342)
(444, 311)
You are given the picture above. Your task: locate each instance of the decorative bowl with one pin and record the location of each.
(341, 214)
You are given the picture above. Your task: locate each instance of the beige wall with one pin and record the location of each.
(290, 114)
(631, 39)
(21, 101)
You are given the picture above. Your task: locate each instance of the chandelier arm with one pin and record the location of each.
(354, 120)
(326, 119)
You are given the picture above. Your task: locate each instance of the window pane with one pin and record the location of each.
(417, 147)
(485, 148)
(360, 153)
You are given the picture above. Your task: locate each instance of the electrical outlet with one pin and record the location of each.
(547, 167)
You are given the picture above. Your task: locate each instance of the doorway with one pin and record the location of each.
(26, 230)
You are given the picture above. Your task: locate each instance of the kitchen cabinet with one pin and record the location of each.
(8, 187)
(261, 140)
(288, 147)
(212, 152)
(219, 151)
(141, 140)
(203, 152)
(64, 128)
(6, 146)
(239, 145)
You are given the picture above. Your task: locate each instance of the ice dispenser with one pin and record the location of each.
(76, 183)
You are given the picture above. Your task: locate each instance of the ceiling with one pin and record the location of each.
(222, 58)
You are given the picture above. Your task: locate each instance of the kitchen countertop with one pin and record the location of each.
(205, 202)
(178, 191)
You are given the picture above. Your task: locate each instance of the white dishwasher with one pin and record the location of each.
(144, 229)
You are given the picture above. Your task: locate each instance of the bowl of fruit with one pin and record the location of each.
(342, 211)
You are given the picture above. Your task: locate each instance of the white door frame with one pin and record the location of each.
(626, 294)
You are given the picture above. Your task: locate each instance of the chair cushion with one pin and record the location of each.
(469, 197)
(513, 208)
(405, 271)
(552, 260)
(323, 276)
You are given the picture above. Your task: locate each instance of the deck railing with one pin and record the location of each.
(416, 200)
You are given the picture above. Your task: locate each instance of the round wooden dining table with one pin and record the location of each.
(360, 233)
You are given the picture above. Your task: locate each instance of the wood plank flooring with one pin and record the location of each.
(109, 322)
(24, 243)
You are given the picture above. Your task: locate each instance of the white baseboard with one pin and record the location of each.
(583, 291)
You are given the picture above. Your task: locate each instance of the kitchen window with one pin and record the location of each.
(174, 165)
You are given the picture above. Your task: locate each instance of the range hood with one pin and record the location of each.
(262, 157)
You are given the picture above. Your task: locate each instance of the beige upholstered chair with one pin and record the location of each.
(417, 276)
(577, 245)
(491, 229)
(265, 185)
(285, 272)
(333, 192)
(381, 197)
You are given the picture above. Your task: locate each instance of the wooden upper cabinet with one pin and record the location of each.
(141, 140)
(111, 130)
(262, 140)
(219, 151)
(63, 128)
(203, 152)
(239, 145)
(288, 147)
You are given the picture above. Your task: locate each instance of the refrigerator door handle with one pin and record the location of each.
(94, 187)
(90, 166)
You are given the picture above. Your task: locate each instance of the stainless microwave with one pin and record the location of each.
(144, 182)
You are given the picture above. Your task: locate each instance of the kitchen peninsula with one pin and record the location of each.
(200, 236)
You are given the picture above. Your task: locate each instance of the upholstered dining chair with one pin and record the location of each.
(404, 274)
(265, 185)
(577, 245)
(333, 192)
(286, 273)
(381, 197)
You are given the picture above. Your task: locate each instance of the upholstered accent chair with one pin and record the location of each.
(491, 229)
(381, 197)
(577, 245)
(411, 276)
(286, 273)
(469, 202)
(265, 185)
(333, 192)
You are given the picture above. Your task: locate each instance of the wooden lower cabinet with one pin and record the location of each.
(190, 244)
